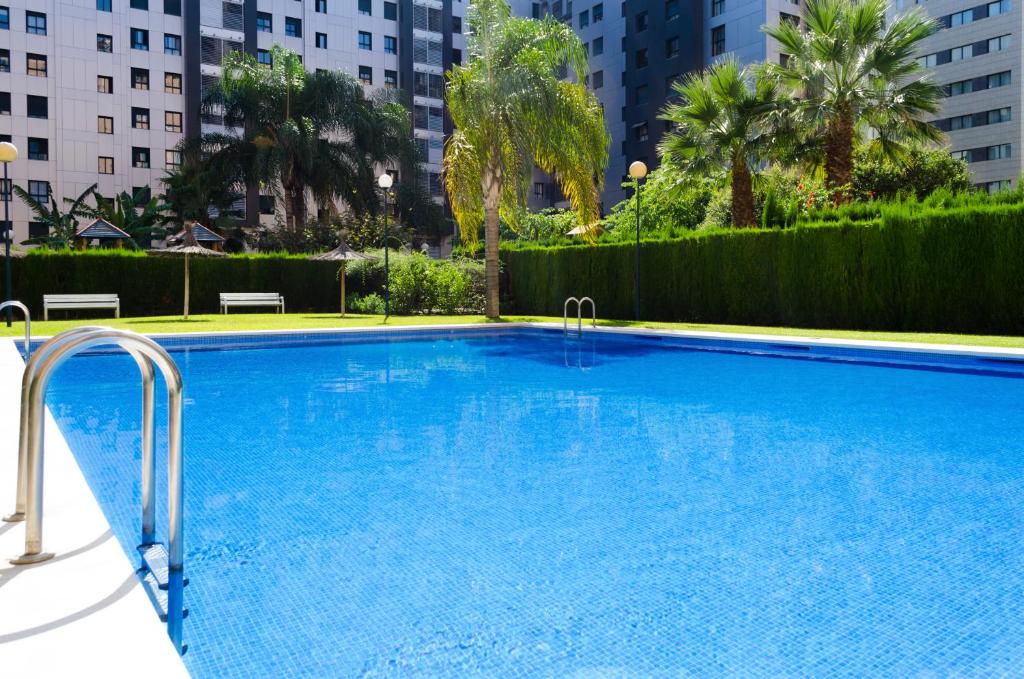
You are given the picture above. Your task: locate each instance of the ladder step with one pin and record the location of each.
(154, 559)
(158, 596)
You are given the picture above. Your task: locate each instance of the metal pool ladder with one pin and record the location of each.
(162, 571)
(28, 320)
(579, 314)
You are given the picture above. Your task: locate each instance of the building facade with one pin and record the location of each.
(102, 91)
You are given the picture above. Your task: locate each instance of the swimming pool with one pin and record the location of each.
(508, 502)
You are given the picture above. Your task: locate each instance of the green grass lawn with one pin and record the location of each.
(245, 322)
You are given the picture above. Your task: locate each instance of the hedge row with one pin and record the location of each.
(956, 270)
(154, 285)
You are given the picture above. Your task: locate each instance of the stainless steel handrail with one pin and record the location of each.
(565, 314)
(28, 320)
(579, 314)
(146, 353)
(30, 369)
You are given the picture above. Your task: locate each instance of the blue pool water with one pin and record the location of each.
(510, 503)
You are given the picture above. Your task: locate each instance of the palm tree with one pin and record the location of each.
(855, 71)
(61, 226)
(309, 133)
(512, 111)
(727, 118)
(193, 188)
(134, 214)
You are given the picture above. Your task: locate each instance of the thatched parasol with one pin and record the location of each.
(188, 248)
(344, 254)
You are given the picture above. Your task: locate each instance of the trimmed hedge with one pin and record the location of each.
(155, 285)
(959, 270)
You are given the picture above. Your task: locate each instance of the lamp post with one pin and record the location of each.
(637, 171)
(8, 154)
(384, 182)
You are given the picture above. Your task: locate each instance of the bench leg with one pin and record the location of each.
(46, 313)
(117, 310)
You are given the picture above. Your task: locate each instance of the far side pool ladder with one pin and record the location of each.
(163, 571)
(579, 314)
(28, 320)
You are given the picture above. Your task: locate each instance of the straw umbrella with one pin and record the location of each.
(188, 248)
(344, 254)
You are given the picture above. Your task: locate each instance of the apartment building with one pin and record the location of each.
(976, 58)
(101, 91)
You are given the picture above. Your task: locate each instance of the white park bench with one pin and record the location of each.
(73, 302)
(230, 299)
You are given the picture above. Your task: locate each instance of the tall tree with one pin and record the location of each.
(726, 119)
(309, 133)
(61, 224)
(193, 188)
(513, 111)
(854, 71)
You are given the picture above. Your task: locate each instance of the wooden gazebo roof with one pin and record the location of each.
(102, 229)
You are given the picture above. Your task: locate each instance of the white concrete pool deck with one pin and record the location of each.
(83, 613)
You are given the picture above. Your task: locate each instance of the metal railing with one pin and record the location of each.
(28, 320)
(147, 354)
(579, 314)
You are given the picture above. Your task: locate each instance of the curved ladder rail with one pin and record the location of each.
(579, 314)
(28, 319)
(147, 353)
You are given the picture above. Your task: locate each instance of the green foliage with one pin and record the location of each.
(61, 225)
(419, 284)
(919, 173)
(140, 217)
(672, 202)
(925, 268)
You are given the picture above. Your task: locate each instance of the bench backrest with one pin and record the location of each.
(80, 299)
(250, 296)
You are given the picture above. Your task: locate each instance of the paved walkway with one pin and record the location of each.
(82, 613)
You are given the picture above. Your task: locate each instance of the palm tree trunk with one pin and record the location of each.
(186, 287)
(839, 155)
(742, 194)
(491, 183)
(294, 207)
(341, 275)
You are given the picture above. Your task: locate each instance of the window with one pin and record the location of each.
(172, 159)
(5, 103)
(998, 7)
(35, 64)
(597, 79)
(105, 165)
(791, 19)
(321, 40)
(5, 19)
(717, 7)
(264, 22)
(961, 122)
(999, 44)
(365, 41)
(584, 18)
(961, 18)
(140, 157)
(641, 21)
(457, 25)
(172, 83)
(365, 7)
(428, 85)
(172, 121)
(266, 205)
(293, 27)
(457, 57)
(104, 84)
(140, 118)
(105, 125)
(139, 4)
(265, 57)
(366, 75)
(38, 149)
(598, 46)
(172, 44)
(390, 44)
(641, 94)
(232, 16)
(641, 58)
(38, 107)
(928, 60)
(671, 48)
(103, 6)
(39, 190)
(999, 115)
(104, 43)
(391, 11)
(172, 8)
(140, 39)
(140, 79)
(999, 79)
(5, 61)
(35, 22)
(321, 6)
(671, 9)
(597, 12)
(717, 40)
(640, 132)
(999, 152)
(391, 79)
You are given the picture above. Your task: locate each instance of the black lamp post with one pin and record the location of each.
(384, 182)
(637, 171)
(8, 154)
